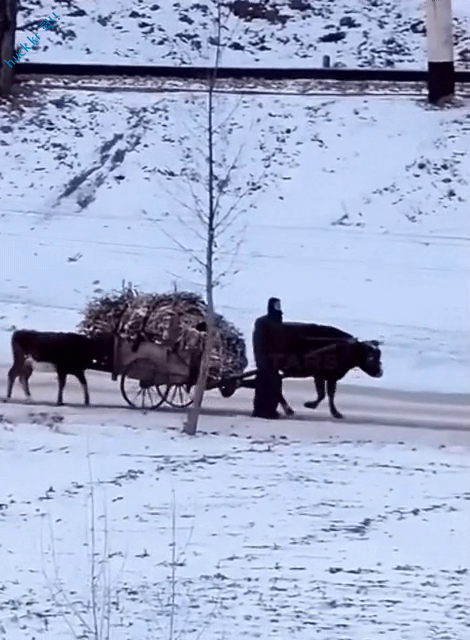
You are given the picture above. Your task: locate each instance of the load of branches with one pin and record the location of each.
(177, 319)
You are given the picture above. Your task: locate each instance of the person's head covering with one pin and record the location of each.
(274, 309)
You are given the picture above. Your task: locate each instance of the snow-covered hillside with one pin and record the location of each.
(355, 33)
(359, 216)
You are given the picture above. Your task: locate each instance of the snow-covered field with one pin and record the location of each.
(275, 538)
(359, 216)
(295, 33)
(356, 215)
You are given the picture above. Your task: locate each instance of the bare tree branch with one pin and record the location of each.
(186, 249)
(221, 127)
(223, 185)
(230, 269)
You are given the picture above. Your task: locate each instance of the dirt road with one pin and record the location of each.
(405, 415)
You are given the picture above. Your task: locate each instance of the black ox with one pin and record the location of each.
(68, 353)
(325, 353)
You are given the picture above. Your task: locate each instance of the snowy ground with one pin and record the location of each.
(275, 537)
(365, 409)
(359, 216)
(295, 33)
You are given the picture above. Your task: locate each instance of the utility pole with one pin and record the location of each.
(441, 75)
(8, 11)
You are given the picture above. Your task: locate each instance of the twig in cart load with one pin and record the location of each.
(177, 317)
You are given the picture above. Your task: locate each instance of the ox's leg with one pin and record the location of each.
(19, 369)
(25, 375)
(13, 373)
(321, 393)
(23, 372)
(61, 379)
(80, 375)
(288, 410)
(331, 390)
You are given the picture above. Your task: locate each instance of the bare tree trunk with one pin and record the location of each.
(191, 423)
(8, 11)
(190, 426)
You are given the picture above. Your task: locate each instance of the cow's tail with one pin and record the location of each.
(17, 369)
(22, 359)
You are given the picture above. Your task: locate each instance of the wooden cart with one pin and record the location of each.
(151, 374)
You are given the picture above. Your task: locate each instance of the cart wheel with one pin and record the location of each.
(138, 387)
(175, 395)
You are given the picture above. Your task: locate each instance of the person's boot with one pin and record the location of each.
(272, 416)
(257, 411)
(265, 412)
(261, 411)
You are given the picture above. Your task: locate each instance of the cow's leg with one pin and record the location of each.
(321, 393)
(288, 410)
(331, 390)
(17, 370)
(61, 379)
(80, 375)
(25, 375)
(16, 367)
(13, 373)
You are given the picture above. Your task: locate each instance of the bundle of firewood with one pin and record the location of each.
(176, 318)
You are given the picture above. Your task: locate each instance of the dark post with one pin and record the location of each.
(441, 76)
(8, 11)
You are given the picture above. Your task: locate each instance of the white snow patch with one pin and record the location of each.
(293, 33)
(274, 538)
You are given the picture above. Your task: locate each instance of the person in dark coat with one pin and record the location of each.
(268, 384)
